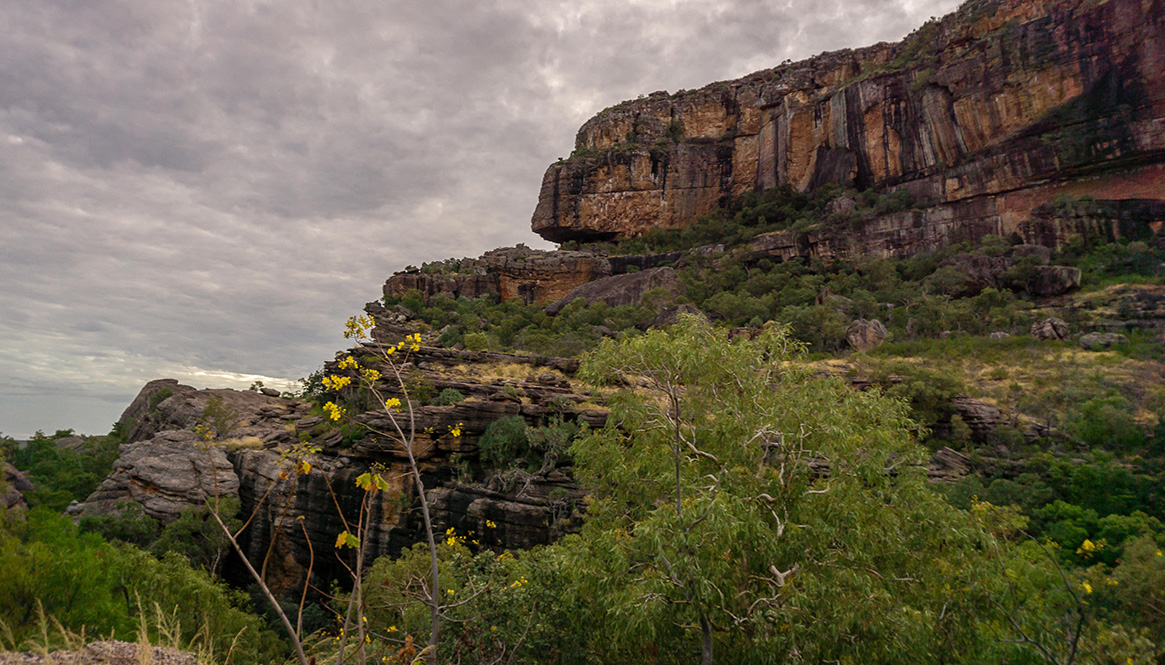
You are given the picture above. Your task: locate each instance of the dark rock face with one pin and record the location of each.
(985, 115)
(1053, 281)
(618, 290)
(670, 316)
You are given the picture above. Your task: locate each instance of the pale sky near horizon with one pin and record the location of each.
(205, 190)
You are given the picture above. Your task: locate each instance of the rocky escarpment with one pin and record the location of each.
(985, 116)
(165, 467)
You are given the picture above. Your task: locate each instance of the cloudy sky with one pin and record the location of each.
(206, 189)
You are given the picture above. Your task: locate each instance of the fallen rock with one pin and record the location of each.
(1050, 329)
(1052, 281)
(619, 290)
(863, 335)
(1096, 341)
(999, 335)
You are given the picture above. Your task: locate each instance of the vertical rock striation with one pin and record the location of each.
(985, 115)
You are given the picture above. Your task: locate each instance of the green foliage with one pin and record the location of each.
(129, 525)
(704, 484)
(476, 341)
(519, 606)
(62, 475)
(448, 396)
(197, 537)
(219, 419)
(504, 442)
(89, 585)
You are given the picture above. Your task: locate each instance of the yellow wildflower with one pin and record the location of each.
(1086, 586)
(336, 382)
(335, 412)
(348, 363)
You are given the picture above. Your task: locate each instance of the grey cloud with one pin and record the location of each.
(211, 187)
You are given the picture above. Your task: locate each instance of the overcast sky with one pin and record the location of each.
(206, 189)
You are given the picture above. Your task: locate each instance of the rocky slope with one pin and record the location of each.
(984, 115)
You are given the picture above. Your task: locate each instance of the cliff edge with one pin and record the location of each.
(983, 115)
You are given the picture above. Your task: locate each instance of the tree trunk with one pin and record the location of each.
(706, 634)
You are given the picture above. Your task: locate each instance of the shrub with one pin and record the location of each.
(504, 442)
(449, 396)
(476, 341)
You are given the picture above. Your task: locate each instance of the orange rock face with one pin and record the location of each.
(996, 108)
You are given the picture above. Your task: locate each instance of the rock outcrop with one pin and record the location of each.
(985, 116)
(625, 289)
(531, 275)
(1098, 341)
(16, 485)
(164, 474)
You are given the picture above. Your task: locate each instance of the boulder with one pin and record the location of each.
(619, 290)
(15, 486)
(1050, 328)
(863, 335)
(1097, 341)
(999, 335)
(1052, 281)
(165, 474)
(1042, 254)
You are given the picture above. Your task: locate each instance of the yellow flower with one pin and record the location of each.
(335, 412)
(390, 404)
(336, 382)
(348, 363)
(1086, 586)
(490, 524)
(370, 375)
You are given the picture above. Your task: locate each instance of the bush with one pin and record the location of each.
(504, 442)
(449, 396)
(476, 341)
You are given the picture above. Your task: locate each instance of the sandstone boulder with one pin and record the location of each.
(1097, 341)
(1053, 281)
(863, 335)
(999, 335)
(979, 416)
(626, 289)
(1050, 329)
(16, 485)
(165, 474)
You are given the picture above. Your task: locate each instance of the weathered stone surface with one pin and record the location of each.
(863, 335)
(531, 275)
(15, 486)
(1053, 281)
(1097, 341)
(625, 289)
(999, 334)
(997, 108)
(948, 465)
(165, 474)
(979, 416)
(105, 652)
(165, 404)
(1050, 329)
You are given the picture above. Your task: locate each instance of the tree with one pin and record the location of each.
(733, 493)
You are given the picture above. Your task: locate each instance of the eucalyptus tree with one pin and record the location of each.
(741, 502)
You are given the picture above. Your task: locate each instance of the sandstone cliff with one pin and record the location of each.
(984, 115)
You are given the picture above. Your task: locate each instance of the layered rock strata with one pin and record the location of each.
(985, 115)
